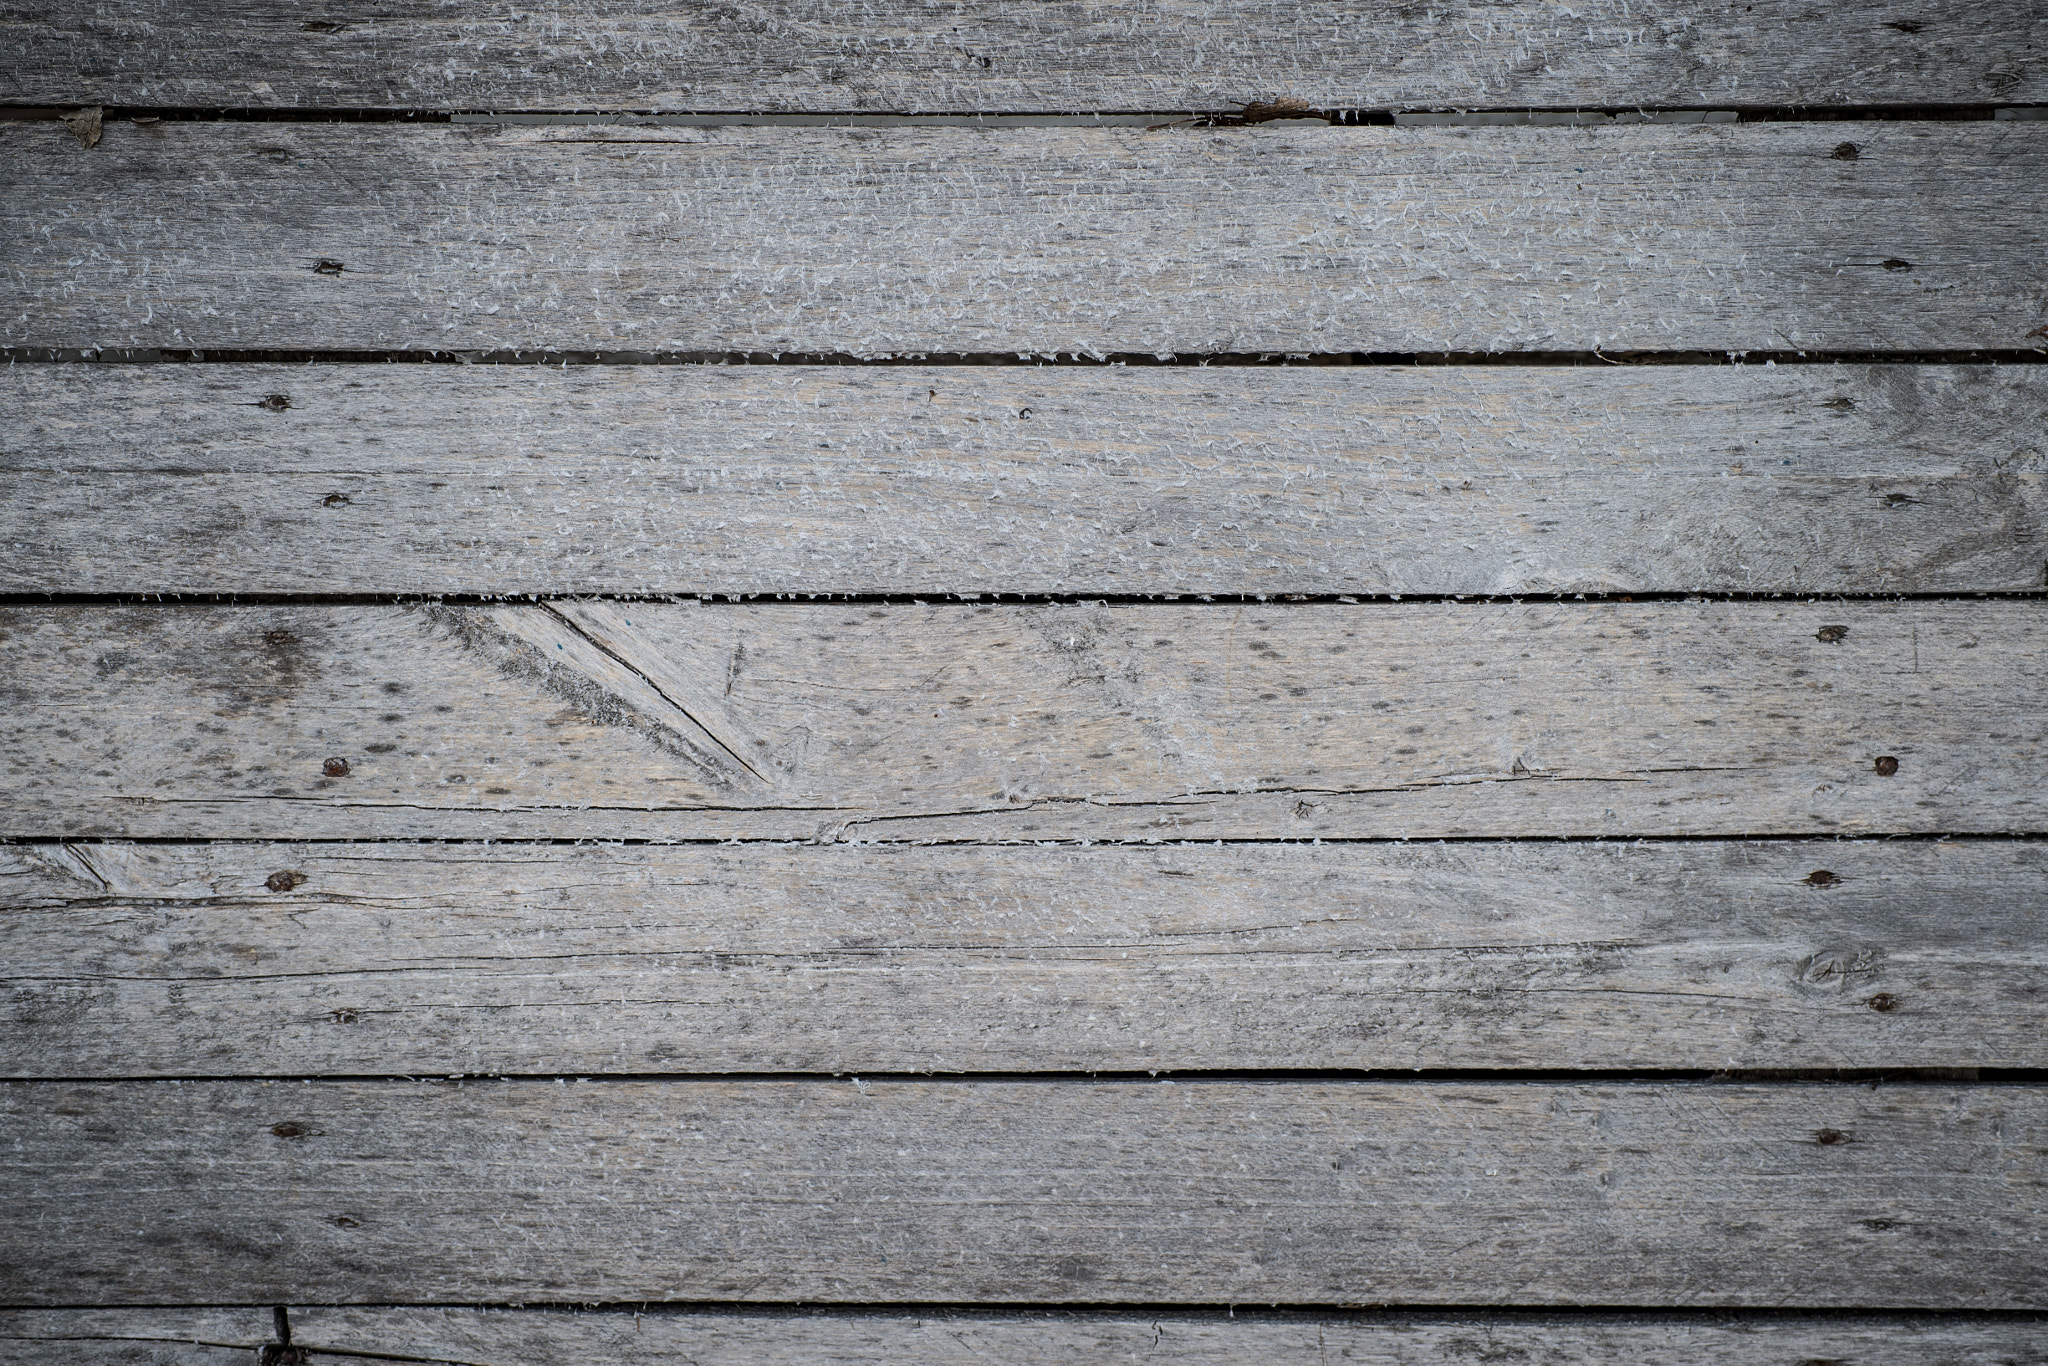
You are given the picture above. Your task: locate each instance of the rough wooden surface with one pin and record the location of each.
(140, 960)
(888, 241)
(1661, 1194)
(1243, 1337)
(1188, 721)
(816, 56)
(1470, 479)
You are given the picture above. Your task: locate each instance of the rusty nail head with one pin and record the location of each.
(335, 768)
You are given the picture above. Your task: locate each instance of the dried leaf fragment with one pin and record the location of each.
(1258, 111)
(85, 125)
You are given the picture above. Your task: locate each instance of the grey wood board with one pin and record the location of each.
(905, 241)
(820, 57)
(134, 1337)
(1649, 1194)
(856, 721)
(774, 479)
(265, 960)
(817, 1337)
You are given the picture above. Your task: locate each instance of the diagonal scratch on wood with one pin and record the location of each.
(543, 648)
(604, 643)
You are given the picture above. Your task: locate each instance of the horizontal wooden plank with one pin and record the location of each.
(986, 56)
(134, 1337)
(1913, 1196)
(267, 960)
(689, 479)
(610, 720)
(873, 242)
(1242, 1337)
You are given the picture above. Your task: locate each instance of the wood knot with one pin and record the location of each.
(1828, 1138)
(284, 880)
(289, 1130)
(1894, 263)
(1884, 1003)
(1844, 151)
(275, 403)
(1829, 635)
(1820, 877)
(344, 1016)
(335, 768)
(326, 267)
(1886, 765)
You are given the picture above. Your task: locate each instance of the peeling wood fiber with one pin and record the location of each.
(688, 479)
(878, 242)
(817, 56)
(611, 719)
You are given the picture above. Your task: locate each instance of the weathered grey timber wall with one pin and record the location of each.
(464, 903)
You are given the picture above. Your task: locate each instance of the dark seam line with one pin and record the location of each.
(1076, 842)
(1943, 111)
(2017, 1077)
(49, 355)
(1000, 1311)
(723, 598)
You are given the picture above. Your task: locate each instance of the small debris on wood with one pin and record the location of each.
(1886, 765)
(1258, 111)
(85, 125)
(1845, 151)
(1829, 635)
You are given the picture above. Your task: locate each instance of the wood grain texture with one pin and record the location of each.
(815, 56)
(1652, 1194)
(141, 960)
(875, 242)
(607, 720)
(134, 1337)
(1244, 1337)
(688, 479)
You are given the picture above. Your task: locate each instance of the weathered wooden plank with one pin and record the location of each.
(135, 1337)
(959, 722)
(688, 479)
(266, 960)
(874, 242)
(815, 56)
(657, 1336)
(1914, 1196)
